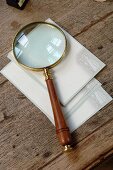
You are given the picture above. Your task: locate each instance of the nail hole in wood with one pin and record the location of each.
(37, 154)
(46, 154)
(14, 146)
(104, 83)
(100, 47)
(111, 90)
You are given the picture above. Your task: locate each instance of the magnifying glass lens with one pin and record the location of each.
(39, 45)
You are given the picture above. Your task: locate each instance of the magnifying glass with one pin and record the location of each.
(40, 46)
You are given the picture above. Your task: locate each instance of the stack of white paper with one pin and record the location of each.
(80, 94)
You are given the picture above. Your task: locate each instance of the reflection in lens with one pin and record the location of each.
(39, 45)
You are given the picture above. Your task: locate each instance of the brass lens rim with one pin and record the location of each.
(52, 65)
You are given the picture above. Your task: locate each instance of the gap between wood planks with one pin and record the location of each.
(98, 161)
(89, 166)
(93, 23)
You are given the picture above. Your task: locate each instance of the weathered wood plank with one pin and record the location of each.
(87, 151)
(74, 15)
(26, 135)
(106, 165)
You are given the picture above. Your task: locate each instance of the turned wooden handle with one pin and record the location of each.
(61, 128)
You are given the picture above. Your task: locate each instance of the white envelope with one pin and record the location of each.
(34, 91)
(92, 104)
(79, 95)
(74, 72)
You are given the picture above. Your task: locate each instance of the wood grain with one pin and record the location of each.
(74, 15)
(27, 138)
(87, 151)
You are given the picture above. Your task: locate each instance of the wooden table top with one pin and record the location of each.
(27, 138)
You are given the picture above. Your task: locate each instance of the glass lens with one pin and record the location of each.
(39, 45)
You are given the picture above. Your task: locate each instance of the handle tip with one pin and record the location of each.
(67, 148)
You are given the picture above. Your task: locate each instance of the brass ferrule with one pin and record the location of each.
(47, 74)
(67, 148)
